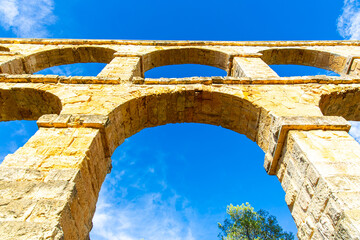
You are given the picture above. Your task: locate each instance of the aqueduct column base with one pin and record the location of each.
(49, 187)
(319, 172)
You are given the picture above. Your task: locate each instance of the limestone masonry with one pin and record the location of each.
(49, 187)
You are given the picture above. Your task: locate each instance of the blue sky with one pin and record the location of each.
(175, 181)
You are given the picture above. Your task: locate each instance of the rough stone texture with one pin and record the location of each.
(122, 69)
(49, 187)
(251, 67)
(321, 182)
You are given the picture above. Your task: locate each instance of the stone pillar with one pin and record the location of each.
(320, 172)
(122, 68)
(355, 67)
(253, 67)
(49, 187)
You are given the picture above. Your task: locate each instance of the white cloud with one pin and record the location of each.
(20, 130)
(27, 18)
(355, 130)
(147, 217)
(76, 69)
(17, 134)
(65, 70)
(349, 21)
(136, 202)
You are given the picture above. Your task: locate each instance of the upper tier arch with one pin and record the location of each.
(308, 57)
(4, 49)
(27, 104)
(190, 55)
(57, 56)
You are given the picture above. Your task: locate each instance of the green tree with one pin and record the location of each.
(246, 224)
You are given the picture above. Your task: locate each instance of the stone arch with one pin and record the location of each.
(27, 104)
(4, 49)
(342, 103)
(57, 56)
(188, 55)
(183, 106)
(308, 57)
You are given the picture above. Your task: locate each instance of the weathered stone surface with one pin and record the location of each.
(49, 187)
(20, 230)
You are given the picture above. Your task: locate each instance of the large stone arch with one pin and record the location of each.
(27, 104)
(188, 55)
(57, 56)
(199, 105)
(308, 57)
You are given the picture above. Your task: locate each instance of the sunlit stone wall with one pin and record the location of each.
(49, 187)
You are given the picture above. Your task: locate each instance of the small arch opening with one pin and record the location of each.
(291, 70)
(38, 61)
(189, 55)
(75, 69)
(305, 57)
(19, 110)
(185, 70)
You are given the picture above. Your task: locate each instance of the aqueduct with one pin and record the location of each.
(49, 187)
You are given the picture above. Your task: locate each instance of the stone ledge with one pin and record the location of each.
(88, 80)
(128, 54)
(176, 43)
(4, 53)
(245, 55)
(77, 121)
(22, 230)
(73, 120)
(38, 78)
(282, 125)
(318, 79)
(231, 54)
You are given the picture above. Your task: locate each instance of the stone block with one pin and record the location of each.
(30, 231)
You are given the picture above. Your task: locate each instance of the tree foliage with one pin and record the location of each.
(246, 224)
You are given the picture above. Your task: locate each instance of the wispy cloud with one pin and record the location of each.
(27, 18)
(327, 73)
(134, 204)
(137, 202)
(349, 21)
(65, 70)
(147, 217)
(20, 130)
(355, 130)
(14, 135)
(76, 69)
